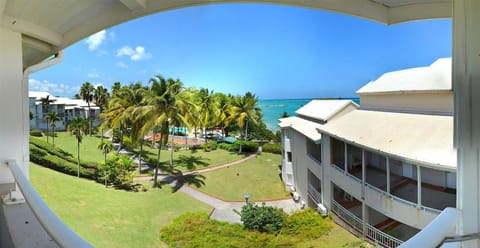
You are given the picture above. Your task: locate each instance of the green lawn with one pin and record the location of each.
(89, 152)
(337, 237)
(258, 176)
(109, 217)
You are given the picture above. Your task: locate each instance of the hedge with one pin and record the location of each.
(247, 146)
(36, 133)
(43, 158)
(62, 154)
(275, 148)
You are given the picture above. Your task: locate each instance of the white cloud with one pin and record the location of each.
(138, 54)
(53, 88)
(93, 75)
(95, 40)
(122, 65)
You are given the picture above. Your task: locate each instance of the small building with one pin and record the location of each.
(66, 108)
(385, 168)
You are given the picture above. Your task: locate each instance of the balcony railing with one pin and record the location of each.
(349, 218)
(382, 238)
(372, 233)
(57, 230)
(313, 192)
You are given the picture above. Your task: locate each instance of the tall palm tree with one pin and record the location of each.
(105, 147)
(45, 101)
(223, 104)
(52, 118)
(86, 92)
(206, 105)
(101, 97)
(165, 104)
(245, 109)
(76, 127)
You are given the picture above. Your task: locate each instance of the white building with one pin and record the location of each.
(386, 166)
(66, 108)
(33, 34)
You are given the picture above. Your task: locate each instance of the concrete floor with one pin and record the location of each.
(21, 229)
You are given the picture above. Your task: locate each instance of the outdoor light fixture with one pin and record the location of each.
(246, 197)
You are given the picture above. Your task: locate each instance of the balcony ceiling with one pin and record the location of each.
(51, 25)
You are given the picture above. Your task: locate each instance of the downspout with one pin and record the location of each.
(57, 58)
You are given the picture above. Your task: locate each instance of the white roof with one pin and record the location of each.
(436, 77)
(40, 94)
(323, 110)
(427, 139)
(305, 127)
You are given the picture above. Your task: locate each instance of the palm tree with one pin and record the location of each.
(45, 103)
(52, 118)
(165, 104)
(86, 92)
(206, 108)
(105, 147)
(244, 109)
(76, 127)
(223, 104)
(101, 97)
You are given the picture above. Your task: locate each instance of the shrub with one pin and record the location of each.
(306, 225)
(119, 171)
(51, 134)
(210, 145)
(196, 230)
(262, 218)
(62, 154)
(36, 133)
(45, 159)
(274, 148)
(128, 144)
(247, 146)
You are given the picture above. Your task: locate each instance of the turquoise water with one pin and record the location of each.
(273, 109)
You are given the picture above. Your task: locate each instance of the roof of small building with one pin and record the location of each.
(425, 139)
(40, 94)
(323, 110)
(436, 77)
(305, 127)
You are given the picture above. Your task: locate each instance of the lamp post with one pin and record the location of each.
(246, 196)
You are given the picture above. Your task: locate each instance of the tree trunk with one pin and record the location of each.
(47, 132)
(155, 184)
(89, 119)
(78, 159)
(105, 169)
(172, 146)
(140, 158)
(53, 137)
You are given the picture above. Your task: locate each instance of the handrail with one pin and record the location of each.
(60, 232)
(434, 233)
(313, 192)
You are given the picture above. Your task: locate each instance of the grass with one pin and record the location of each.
(258, 177)
(337, 237)
(89, 152)
(109, 217)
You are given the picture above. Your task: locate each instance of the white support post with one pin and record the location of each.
(345, 158)
(327, 191)
(388, 174)
(466, 86)
(364, 172)
(419, 186)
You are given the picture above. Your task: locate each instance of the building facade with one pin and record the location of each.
(385, 168)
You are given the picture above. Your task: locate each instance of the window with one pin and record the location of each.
(289, 157)
(314, 150)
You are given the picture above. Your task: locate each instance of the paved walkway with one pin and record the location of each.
(225, 210)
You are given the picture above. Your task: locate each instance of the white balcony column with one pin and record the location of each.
(364, 172)
(466, 86)
(327, 189)
(364, 218)
(419, 186)
(346, 158)
(388, 174)
(15, 121)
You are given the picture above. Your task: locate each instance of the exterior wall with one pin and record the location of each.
(301, 164)
(13, 104)
(287, 170)
(411, 102)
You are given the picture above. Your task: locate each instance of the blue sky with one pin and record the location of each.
(274, 51)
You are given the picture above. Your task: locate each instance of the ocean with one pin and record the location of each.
(273, 109)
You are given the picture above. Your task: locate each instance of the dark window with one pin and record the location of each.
(314, 150)
(289, 155)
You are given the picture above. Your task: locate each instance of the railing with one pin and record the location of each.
(60, 232)
(356, 223)
(403, 201)
(349, 218)
(354, 178)
(375, 189)
(431, 210)
(381, 238)
(338, 168)
(313, 192)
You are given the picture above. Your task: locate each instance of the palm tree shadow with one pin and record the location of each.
(177, 179)
(191, 162)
